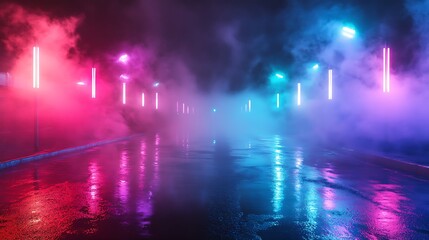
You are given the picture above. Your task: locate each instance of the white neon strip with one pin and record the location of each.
(299, 95)
(250, 105)
(142, 99)
(388, 71)
(124, 93)
(330, 84)
(93, 81)
(156, 101)
(183, 108)
(278, 100)
(384, 69)
(36, 67)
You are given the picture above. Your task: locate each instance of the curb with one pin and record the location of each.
(39, 156)
(412, 169)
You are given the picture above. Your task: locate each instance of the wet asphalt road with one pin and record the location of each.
(158, 187)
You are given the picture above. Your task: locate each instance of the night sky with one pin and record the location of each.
(232, 43)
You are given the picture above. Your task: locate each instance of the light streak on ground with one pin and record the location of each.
(330, 84)
(124, 93)
(36, 67)
(93, 82)
(156, 101)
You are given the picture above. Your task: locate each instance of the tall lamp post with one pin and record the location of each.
(36, 85)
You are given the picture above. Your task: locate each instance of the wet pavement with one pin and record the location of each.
(180, 187)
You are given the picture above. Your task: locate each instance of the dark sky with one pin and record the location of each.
(235, 42)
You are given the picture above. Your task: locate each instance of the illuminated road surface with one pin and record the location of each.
(160, 187)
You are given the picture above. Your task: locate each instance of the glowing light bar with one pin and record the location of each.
(81, 83)
(124, 58)
(330, 84)
(93, 82)
(156, 101)
(348, 32)
(142, 99)
(36, 67)
(278, 100)
(250, 105)
(183, 108)
(386, 70)
(124, 93)
(315, 66)
(298, 102)
(279, 75)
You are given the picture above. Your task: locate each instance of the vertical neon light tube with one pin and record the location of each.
(299, 95)
(330, 84)
(36, 67)
(388, 71)
(183, 108)
(156, 101)
(93, 81)
(124, 93)
(142, 99)
(250, 105)
(384, 69)
(278, 100)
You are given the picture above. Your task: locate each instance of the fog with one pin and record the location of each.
(207, 60)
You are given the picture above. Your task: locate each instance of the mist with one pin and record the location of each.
(207, 60)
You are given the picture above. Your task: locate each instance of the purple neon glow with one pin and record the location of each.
(386, 70)
(124, 93)
(156, 101)
(124, 58)
(298, 102)
(36, 67)
(183, 108)
(142, 99)
(330, 84)
(93, 82)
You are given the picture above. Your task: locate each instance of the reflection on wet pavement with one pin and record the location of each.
(159, 187)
